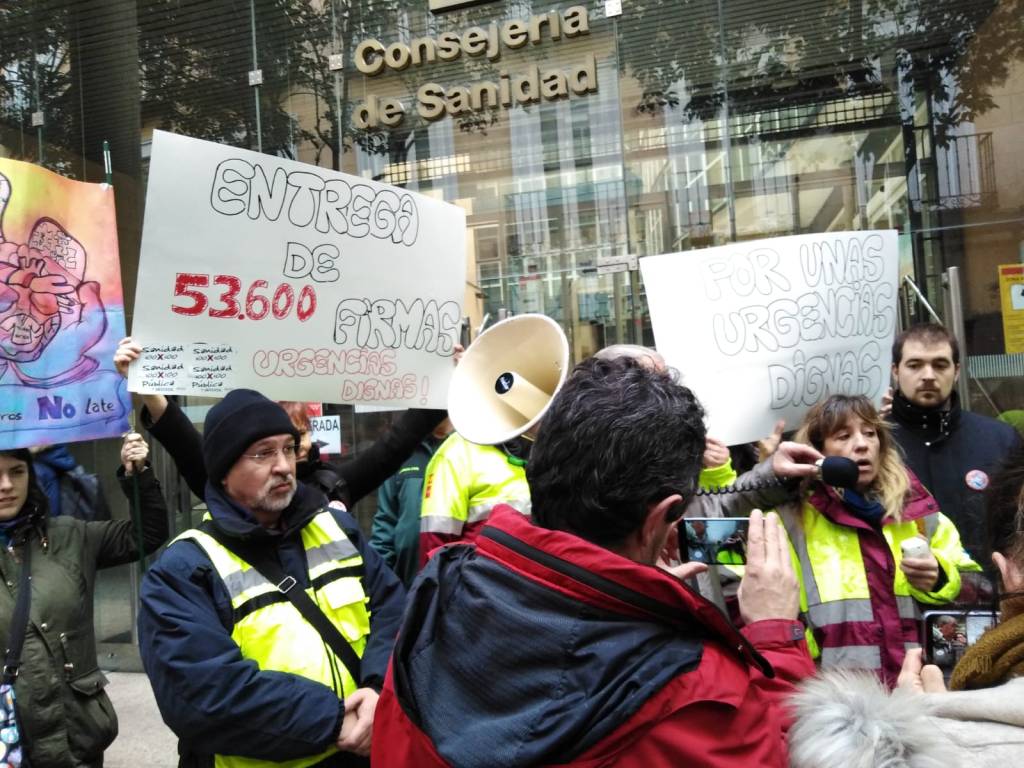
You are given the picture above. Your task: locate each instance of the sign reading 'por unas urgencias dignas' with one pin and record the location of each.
(762, 330)
(297, 281)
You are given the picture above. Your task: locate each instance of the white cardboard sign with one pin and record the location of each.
(294, 280)
(326, 430)
(762, 330)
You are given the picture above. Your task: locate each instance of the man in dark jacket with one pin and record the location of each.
(558, 640)
(239, 674)
(396, 524)
(952, 451)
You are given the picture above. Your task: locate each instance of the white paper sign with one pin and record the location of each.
(297, 281)
(326, 431)
(762, 330)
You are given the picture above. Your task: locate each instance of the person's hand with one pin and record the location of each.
(921, 572)
(458, 353)
(134, 453)
(670, 552)
(795, 460)
(886, 407)
(716, 453)
(357, 725)
(128, 351)
(918, 677)
(769, 588)
(768, 445)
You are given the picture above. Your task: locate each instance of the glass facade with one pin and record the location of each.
(575, 140)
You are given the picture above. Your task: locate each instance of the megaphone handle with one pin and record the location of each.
(524, 397)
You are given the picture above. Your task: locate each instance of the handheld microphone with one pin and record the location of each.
(838, 471)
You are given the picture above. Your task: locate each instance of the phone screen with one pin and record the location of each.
(716, 540)
(946, 635)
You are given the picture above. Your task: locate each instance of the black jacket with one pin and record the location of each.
(356, 477)
(942, 459)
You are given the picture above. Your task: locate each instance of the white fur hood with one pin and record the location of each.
(848, 720)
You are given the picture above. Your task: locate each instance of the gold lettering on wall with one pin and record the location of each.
(435, 101)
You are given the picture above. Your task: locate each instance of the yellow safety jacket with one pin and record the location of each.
(463, 483)
(713, 478)
(857, 619)
(270, 630)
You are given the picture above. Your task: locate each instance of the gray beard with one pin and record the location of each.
(269, 506)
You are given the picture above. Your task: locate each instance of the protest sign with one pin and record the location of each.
(762, 330)
(61, 310)
(297, 281)
(325, 431)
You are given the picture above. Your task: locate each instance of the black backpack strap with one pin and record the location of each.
(263, 560)
(19, 618)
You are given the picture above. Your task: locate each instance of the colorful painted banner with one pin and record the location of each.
(1011, 295)
(297, 281)
(764, 329)
(61, 310)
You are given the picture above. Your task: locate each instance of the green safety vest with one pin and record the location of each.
(270, 630)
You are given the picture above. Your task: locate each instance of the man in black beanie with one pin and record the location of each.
(240, 669)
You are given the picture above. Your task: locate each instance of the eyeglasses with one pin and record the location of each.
(268, 454)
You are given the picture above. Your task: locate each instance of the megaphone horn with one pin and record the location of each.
(507, 378)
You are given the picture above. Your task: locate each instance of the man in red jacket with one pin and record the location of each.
(558, 640)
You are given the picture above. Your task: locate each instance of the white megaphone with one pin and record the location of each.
(506, 379)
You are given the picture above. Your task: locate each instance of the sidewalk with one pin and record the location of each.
(143, 739)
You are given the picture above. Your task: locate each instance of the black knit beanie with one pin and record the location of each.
(236, 422)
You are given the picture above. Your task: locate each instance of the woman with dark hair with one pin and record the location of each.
(64, 717)
(845, 719)
(861, 583)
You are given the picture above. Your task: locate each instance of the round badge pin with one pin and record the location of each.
(977, 480)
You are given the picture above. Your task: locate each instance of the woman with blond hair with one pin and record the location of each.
(846, 719)
(869, 556)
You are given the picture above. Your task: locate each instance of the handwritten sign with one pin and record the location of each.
(61, 310)
(297, 281)
(763, 330)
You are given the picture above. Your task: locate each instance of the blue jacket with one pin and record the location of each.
(50, 463)
(216, 701)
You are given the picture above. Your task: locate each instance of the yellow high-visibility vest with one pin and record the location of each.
(270, 630)
(834, 583)
(465, 481)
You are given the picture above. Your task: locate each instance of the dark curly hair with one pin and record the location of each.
(617, 438)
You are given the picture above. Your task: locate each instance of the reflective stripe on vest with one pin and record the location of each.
(269, 629)
(477, 513)
(464, 482)
(839, 593)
